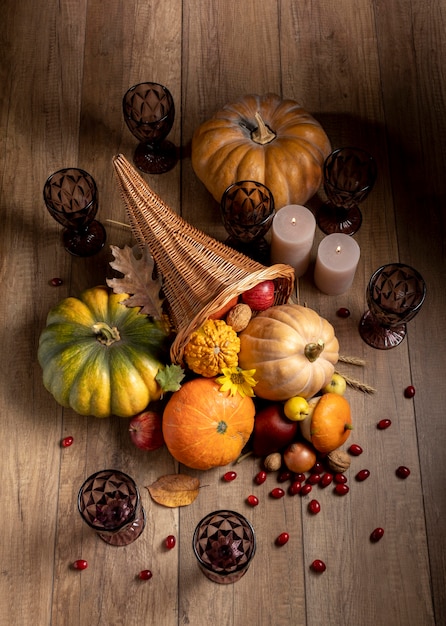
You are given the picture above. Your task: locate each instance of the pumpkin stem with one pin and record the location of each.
(262, 134)
(313, 350)
(106, 334)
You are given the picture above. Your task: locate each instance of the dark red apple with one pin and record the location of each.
(146, 430)
(260, 297)
(272, 430)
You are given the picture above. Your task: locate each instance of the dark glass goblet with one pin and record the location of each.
(109, 502)
(149, 112)
(71, 197)
(349, 176)
(247, 210)
(395, 294)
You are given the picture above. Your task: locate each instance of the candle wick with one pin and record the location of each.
(293, 221)
(338, 249)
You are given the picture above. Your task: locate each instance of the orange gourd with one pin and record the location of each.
(329, 424)
(204, 427)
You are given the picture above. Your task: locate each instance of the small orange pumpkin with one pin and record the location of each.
(329, 423)
(204, 427)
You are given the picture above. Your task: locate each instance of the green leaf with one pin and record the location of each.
(169, 378)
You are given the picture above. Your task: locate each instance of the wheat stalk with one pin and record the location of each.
(357, 384)
(351, 360)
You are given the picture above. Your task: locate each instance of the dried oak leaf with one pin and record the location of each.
(138, 280)
(174, 490)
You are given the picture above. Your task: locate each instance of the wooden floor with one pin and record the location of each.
(372, 72)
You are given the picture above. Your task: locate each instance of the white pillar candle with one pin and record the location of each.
(336, 263)
(292, 237)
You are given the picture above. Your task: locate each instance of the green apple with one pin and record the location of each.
(337, 385)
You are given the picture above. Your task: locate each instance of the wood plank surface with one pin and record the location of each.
(372, 72)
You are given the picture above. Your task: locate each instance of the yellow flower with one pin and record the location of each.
(235, 380)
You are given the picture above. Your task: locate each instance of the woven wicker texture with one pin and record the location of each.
(200, 274)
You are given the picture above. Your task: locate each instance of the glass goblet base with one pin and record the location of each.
(257, 250)
(378, 336)
(332, 219)
(126, 535)
(85, 242)
(155, 159)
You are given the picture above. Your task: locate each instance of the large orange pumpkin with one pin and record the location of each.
(263, 138)
(204, 427)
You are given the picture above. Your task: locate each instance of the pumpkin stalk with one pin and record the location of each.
(106, 334)
(262, 134)
(314, 350)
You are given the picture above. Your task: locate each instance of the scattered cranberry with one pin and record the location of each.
(80, 564)
(409, 391)
(282, 539)
(318, 566)
(282, 477)
(377, 534)
(383, 424)
(56, 282)
(260, 477)
(229, 476)
(314, 507)
(402, 471)
(170, 542)
(300, 477)
(362, 475)
(252, 500)
(341, 489)
(277, 493)
(339, 478)
(145, 574)
(343, 312)
(317, 468)
(306, 489)
(313, 479)
(355, 450)
(326, 479)
(294, 488)
(66, 442)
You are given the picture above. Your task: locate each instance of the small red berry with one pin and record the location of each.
(306, 489)
(355, 450)
(313, 479)
(66, 442)
(317, 468)
(377, 534)
(277, 493)
(383, 424)
(402, 471)
(362, 475)
(252, 500)
(409, 392)
(80, 564)
(343, 312)
(229, 476)
(326, 479)
(284, 476)
(145, 574)
(318, 566)
(282, 539)
(170, 542)
(300, 477)
(56, 282)
(294, 488)
(260, 477)
(339, 478)
(341, 489)
(314, 507)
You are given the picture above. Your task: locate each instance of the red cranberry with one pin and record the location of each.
(306, 489)
(355, 450)
(56, 282)
(341, 489)
(145, 574)
(313, 479)
(326, 479)
(260, 477)
(339, 478)
(409, 391)
(383, 424)
(294, 488)
(317, 468)
(402, 471)
(282, 539)
(80, 564)
(314, 507)
(252, 500)
(300, 477)
(377, 534)
(66, 442)
(282, 477)
(229, 476)
(362, 475)
(318, 566)
(343, 312)
(170, 542)
(277, 493)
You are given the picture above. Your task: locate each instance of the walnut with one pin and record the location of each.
(273, 462)
(239, 316)
(338, 461)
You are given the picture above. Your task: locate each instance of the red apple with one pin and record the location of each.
(272, 430)
(260, 297)
(146, 430)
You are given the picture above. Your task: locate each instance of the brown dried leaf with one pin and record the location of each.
(174, 490)
(138, 280)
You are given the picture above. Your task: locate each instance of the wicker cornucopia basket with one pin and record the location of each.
(200, 274)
